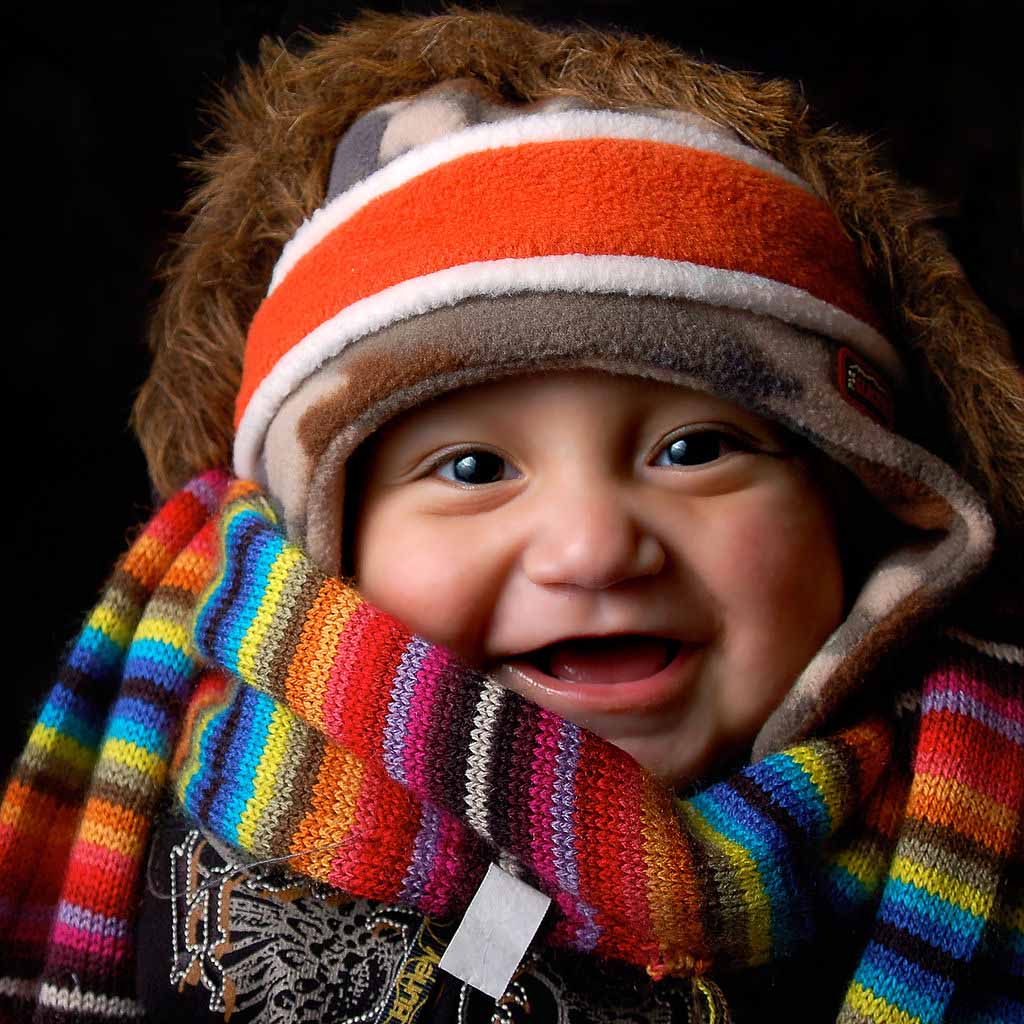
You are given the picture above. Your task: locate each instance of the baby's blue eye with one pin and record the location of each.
(696, 449)
(476, 466)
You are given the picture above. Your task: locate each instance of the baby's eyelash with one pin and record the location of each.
(696, 447)
(472, 460)
(700, 447)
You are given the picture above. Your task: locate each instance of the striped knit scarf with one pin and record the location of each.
(314, 727)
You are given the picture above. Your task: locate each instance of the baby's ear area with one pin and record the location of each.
(353, 484)
(866, 531)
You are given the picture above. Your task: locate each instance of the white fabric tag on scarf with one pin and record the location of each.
(496, 930)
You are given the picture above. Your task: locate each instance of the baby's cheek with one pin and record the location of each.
(787, 559)
(427, 582)
(781, 596)
(754, 559)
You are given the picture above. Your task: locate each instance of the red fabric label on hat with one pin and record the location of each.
(864, 387)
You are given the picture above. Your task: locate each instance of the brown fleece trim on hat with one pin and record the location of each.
(520, 332)
(290, 465)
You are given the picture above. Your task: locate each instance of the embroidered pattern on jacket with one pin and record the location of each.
(255, 941)
(282, 954)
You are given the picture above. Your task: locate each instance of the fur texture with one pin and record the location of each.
(265, 167)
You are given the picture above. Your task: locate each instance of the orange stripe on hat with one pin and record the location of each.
(479, 223)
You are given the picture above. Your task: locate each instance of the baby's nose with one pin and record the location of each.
(593, 541)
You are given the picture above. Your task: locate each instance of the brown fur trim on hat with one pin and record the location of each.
(264, 168)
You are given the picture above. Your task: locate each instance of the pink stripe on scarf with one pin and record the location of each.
(544, 767)
(421, 714)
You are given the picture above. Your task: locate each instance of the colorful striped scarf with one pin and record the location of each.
(311, 726)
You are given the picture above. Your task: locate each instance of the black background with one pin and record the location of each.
(100, 108)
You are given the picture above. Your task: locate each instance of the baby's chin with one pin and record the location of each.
(679, 772)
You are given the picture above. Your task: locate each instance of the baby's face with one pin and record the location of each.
(520, 522)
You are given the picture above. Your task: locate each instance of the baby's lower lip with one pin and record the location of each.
(564, 696)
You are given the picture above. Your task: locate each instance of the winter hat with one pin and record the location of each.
(464, 239)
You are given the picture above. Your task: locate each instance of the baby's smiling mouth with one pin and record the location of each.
(603, 660)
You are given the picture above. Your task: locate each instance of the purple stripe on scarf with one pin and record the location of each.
(563, 801)
(208, 495)
(80, 929)
(563, 805)
(588, 935)
(398, 710)
(416, 755)
(585, 931)
(423, 855)
(961, 703)
(85, 920)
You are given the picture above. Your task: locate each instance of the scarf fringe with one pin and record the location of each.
(707, 1003)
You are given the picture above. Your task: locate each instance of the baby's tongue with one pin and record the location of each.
(609, 659)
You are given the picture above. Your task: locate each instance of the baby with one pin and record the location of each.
(654, 563)
(570, 477)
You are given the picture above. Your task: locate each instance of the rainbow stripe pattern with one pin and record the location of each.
(947, 942)
(315, 727)
(75, 818)
(383, 766)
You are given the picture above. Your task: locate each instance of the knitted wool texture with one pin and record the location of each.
(317, 727)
